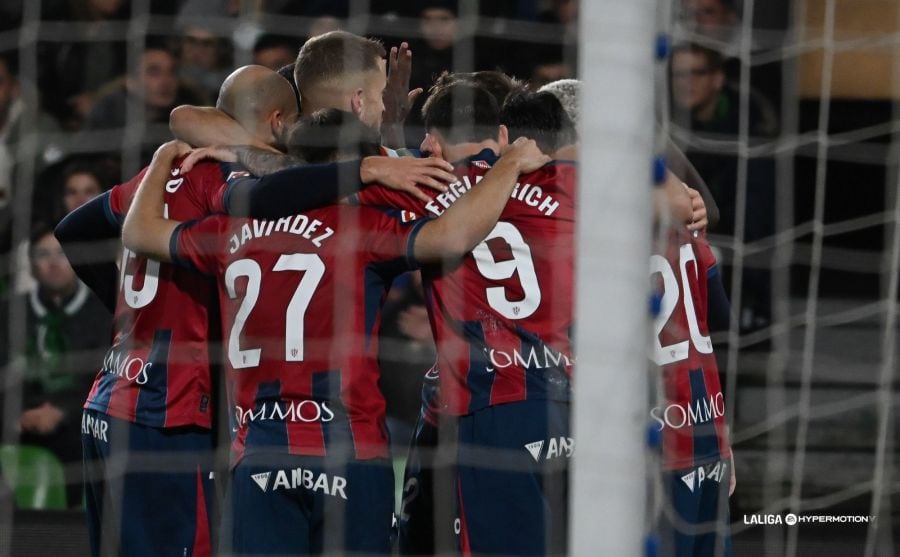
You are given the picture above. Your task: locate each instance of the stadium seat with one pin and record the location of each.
(34, 475)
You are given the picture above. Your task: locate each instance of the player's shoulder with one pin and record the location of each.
(204, 172)
(561, 171)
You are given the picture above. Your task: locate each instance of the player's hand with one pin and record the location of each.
(217, 153)
(41, 420)
(172, 150)
(397, 97)
(524, 153)
(407, 173)
(698, 207)
(732, 483)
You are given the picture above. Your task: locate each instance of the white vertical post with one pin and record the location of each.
(608, 486)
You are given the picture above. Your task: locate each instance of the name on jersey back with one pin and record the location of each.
(313, 230)
(531, 195)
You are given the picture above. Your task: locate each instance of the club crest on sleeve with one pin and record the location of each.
(236, 174)
(408, 216)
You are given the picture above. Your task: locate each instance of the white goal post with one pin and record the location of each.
(608, 493)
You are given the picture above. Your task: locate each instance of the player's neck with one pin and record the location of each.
(461, 151)
(566, 153)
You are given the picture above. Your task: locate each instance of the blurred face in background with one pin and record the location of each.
(695, 84)
(50, 267)
(323, 25)
(543, 74)
(438, 26)
(274, 57)
(566, 10)
(9, 90)
(200, 49)
(80, 188)
(104, 7)
(159, 84)
(709, 15)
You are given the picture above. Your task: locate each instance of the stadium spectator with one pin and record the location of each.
(432, 55)
(82, 180)
(204, 60)
(434, 52)
(704, 100)
(152, 90)
(549, 62)
(275, 51)
(548, 72)
(564, 12)
(707, 108)
(13, 105)
(66, 330)
(324, 24)
(154, 83)
(80, 185)
(67, 185)
(716, 24)
(713, 19)
(73, 73)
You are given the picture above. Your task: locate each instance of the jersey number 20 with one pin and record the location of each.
(664, 355)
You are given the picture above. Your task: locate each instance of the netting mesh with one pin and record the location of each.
(809, 356)
(786, 111)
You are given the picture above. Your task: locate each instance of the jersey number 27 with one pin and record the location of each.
(313, 268)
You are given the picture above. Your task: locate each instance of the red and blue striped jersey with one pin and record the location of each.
(692, 416)
(502, 319)
(300, 303)
(157, 372)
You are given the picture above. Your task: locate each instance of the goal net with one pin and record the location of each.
(787, 112)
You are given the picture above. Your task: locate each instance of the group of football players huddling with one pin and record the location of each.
(258, 251)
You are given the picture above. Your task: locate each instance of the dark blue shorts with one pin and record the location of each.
(429, 497)
(512, 465)
(694, 495)
(148, 490)
(281, 504)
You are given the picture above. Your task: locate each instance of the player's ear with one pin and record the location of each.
(356, 102)
(431, 145)
(503, 136)
(277, 125)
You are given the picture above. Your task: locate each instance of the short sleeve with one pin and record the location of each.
(203, 187)
(200, 244)
(121, 196)
(389, 238)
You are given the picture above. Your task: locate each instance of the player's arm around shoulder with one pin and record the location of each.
(468, 221)
(204, 126)
(146, 230)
